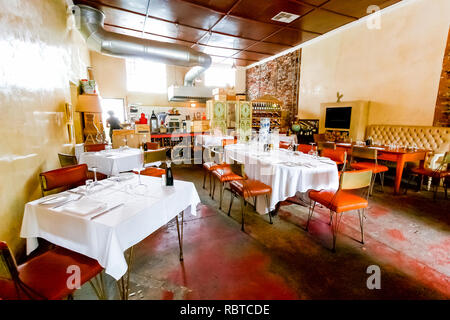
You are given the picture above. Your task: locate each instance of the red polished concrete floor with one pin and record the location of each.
(408, 237)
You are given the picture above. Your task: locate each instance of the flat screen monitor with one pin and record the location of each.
(338, 118)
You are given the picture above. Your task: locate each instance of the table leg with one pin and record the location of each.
(180, 234)
(124, 283)
(399, 173)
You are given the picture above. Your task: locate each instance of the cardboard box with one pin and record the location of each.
(142, 128)
(220, 97)
(218, 91)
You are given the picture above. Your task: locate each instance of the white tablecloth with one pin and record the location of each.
(210, 140)
(285, 171)
(112, 162)
(106, 237)
(289, 139)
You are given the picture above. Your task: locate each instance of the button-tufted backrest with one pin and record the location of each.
(436, 139)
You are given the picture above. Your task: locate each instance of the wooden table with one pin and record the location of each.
(399, 156)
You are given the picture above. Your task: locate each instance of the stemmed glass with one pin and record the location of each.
(95, 175)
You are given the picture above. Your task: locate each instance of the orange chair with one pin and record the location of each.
(66, 177)
(226, 142)
(94, 147)
(284, 145)
(212, 162)
(248, 188)
(337, 155)
(305, 148)
(343, 200)
(45, 276)
(152, 172)
(371, 154)
(224, 174)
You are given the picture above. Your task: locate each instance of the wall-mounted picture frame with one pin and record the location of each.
(68, 109)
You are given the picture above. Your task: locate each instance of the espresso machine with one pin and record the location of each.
(174, 122)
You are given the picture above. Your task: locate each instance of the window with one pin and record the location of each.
(220, 76)
(114, 105)
(146, 76)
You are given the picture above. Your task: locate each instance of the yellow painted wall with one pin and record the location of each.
(397, 67)
(39, 58)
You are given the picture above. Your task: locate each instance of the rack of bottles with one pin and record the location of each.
(266, 107)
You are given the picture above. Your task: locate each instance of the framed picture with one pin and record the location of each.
(68, 111)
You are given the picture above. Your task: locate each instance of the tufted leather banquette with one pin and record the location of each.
(436, 139)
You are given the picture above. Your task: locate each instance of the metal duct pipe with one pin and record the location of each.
(114, 44)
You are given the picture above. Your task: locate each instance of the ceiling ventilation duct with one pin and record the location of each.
(114, 44)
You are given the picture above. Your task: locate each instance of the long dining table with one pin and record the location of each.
(286, 172)
(398, 155)
(104, 221)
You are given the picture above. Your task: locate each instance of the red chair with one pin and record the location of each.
(306, 148)
(343, 199)
(94, 147)
(45, 276)
(371, 154)
(337, 155)
(66, 177)
(212, 162)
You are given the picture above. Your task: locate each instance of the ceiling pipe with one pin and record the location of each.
(118, 45)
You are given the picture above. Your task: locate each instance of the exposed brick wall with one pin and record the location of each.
(280, 78)
(441, 116)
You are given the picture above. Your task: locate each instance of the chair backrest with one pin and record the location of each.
(94, 147)
(155, 155)
(65, 177)
(335, 154)
(319, 137)
(326, 145)
(67, 159)
(358, 179)
(305, 148)
(226, 142)
(152, 145)
(217, 154)
(364, 153)
(284, 145)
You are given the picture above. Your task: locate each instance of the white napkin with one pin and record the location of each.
(84, 206)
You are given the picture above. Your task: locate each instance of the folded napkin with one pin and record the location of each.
(84, 206)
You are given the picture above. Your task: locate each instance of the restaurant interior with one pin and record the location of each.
(225, 150)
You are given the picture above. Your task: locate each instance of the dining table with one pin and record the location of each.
(399, 155)
(102, 221)
(113, 161)
(287, 172)
(210, 140)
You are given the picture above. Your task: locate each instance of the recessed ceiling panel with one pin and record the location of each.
(264, 11)
(184, 13)
(218, 40)
(245, 28)
(171, 30)
(291, 37)
(321, 21)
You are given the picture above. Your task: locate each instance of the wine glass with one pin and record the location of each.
(95, 175)
(88, 185)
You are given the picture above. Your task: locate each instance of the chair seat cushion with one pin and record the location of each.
(225, 174)
(152, 172)
(210, 166)
(376, 168)
(47, 273)
(343, 201)
(430, 172)
(250, 188)
(8, 290)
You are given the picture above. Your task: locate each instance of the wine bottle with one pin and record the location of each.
(169, 176)
(145, 146)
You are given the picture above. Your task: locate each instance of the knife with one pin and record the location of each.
(106, 211)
